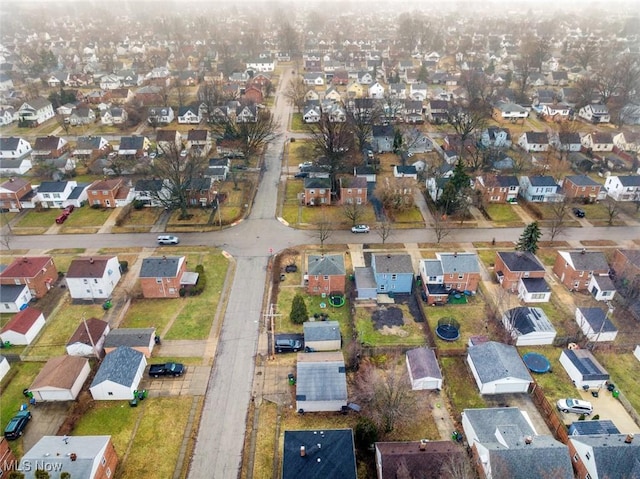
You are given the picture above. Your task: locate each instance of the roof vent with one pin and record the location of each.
(628, 439)
(73, 456)
(528, 440)
(303, 451)
(423, 444)
(583, 251)
(91, 260)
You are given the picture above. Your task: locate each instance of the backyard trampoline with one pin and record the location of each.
(448, 329)
(537, 363)
(336, 300)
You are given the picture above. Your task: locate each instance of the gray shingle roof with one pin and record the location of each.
(132, 337)
(520, 261)
(321, 331)
(542, 181)
(52, 186)
(119, 366)
(331, 264)
(629, 180)
(329, 454)
(582, 180)
(365, 277)
(459, 262)
(392, 263)
(588, 261)
(494, 361)
(612, 456)
(433, 267)
(423, 363)
(527, 320)
(165, 267)
(11, 292)
(536, 285)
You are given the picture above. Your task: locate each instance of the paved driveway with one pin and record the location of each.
(522, 402)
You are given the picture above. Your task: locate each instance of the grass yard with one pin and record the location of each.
(459, 385)
(470, 316)
(39, 219)
(625, 374)
(410, 333)
(547, 256)
(113, 418)
(297, 124)
(200, 216)
(410, 218)
(60, 327)
(265, 441)
(86, 216)
(139, 220)
(487, 256)
(5, 218)
(195, 319)
(147, 313)
(559, 316)
(557, 383)
(505, 214)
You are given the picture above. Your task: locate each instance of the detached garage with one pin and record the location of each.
(23, 328)
(498, 369)
(119, 375)
(322, 335)
(584, 369)
(424, 372)
(61, 379)
(4, 367)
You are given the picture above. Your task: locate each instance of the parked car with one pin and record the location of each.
(184, 153)
(360, 229)
(16, 426)
(69, 209)
(152, 155)
(290, 268)
(166, 369)
(302, 174)
(577, 406)
(168, 239)
(62, 217)
(579, 212)
(288, 345)
(305, 164)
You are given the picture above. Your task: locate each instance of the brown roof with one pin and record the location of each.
(61, 372)
(166, 135)
(96, 328)
(47, 143)
(92, 267)
(27, 267)
(23, 321)
(122, 193)
(425, 463)
(197, 135)
(105, 184)
(14, 184)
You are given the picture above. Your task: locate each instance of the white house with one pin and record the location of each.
(14, 147)
(60, 379)
(23, 328)
(88, 338)
(262, 65)
(93, 278)
(15, 167)
(54, 194)
(529, 326)
(322, 335)
(595, 113)
(539, 189)
(119, 375)
(534, 290)
(534, 141)
(424, 371)
(37, 110)
(598, 141)
(14, 298)
(627, 141)
(4, 367)
(189, 115)
(160, 115)
(505, 111)
(321, 382)
(623, 188)
(376, 91)
(595, 324)
(584, 369)
(497, 368)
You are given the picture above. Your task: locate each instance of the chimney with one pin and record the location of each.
(303, 451)
(73, 456)
(423, 444)
(628, 439)
(164, 258)
(528, 440)
(583, 251)
(90, 260)
(455, 255)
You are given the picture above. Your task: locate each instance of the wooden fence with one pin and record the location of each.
(549, 414)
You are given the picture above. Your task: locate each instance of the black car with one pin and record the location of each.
(302, 174)
(290, 268)
(288, 345)
(16, 426)
(579, 213)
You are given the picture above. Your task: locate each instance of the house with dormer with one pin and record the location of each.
(595, 113)
(598, 141)
(36, 111)
(47, 147)
(627, 141)
(14, 148)
(189, 115)
(556, 111)
(247, 114)
(160, 115)
(89, 148)
(113, 116)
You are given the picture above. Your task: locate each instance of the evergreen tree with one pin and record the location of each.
(529, 238)
(397, 140)
(299, 312)
(454, 190)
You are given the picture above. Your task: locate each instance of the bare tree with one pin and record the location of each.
(334, 140)
(384, 230)
(295, 92)
(181, 91)
(466, 121)
(362, 114)
(613, 210)
(441, 226)
(323, 232)
(558, 222)
(251, 136)
(63, 123)
(353, 212)
(457, 466)
(477, 85)
(396, 194)
(7, 237)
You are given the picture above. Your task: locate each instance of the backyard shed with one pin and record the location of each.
(583, 368)
(424, 371)
(322, 335)
(23, 328)
(529, 326)
(140, 339)
(497, 368)
(88, 338)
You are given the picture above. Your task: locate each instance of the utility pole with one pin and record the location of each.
(270, 324)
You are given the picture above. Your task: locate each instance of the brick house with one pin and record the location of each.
(160, 277)
(201, 191)
(317, 191)
(199, 142)
(581, 187)
(513, 266)
(497, 188)
(604, 455)
(14, 192)
(90, 148)
(447, 273)
(626, 263)
(325, 274)
(7, 459)
(353, 191)
(109, 193)
(38, 272)
(575, 269)
(47, 147)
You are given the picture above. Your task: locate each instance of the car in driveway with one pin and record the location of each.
(360, 229)
(288, 345)
(16, 425)
(302, 174)
(168, 239)
(290, 268)
(166, 369)
(306, 164)
(577, 406)
(579, 212)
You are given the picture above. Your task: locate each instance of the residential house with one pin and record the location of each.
(60, 379)
(556, 111)
(23, 328)
(160, 115)
(447, 274)
(88, 338)
(218, 170)
(322, 336)
(410, 111)
(8, 460)
(110, 193)
(14, 148)
(149, 95)
(321, 382)
(505, 443)
(354, 89)
(576, 269)
(133, 146)
(353, 191)
(605, 455)
(584, 369)
(528, 326)
(496, 137)
(15, 297)
(325, 274)
(261, 65)
(82, 116)
(405, 171)
(498, 368)
(626, 264)
(15, 167)
(393, 273)
(558, 78)
(110, 82)
(416, 142)
(581, 187)
(88, 457)
(424, 459)
(121, 96)
(627, 141)
(332, 94)
(89, 148)
(437, 111)
(568, 141)
(161, 277)
(113, 116)
(139, 339)
(312, 96)
(37, 272)
(17, 194)
(498, 188)
(199, 142)
(365, 78)
(313, 78)
(189, 115)
(365, 282)
(598, 141)
(512, 112)
(119, 375)
(169, 142)
(423, 368)
(36, 111)
(46, 147)
(317, 191)
(595, 324)
(513, 267)
(321, 454)
(383, 136)
(202, 191)
(311, 113)
(365, 171)
(623, 188)
(376, 91)
(93, 278)
(247, 114)
(418, 91)
(534, 141)
(595, 113)
(539, 189)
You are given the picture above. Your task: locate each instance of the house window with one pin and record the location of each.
(100, 291)
(526, 274)
(159, 280)
(581, 274)
(359, 200)
(322, 192)
(88, 291)
(325, 277)
(349, 191)
(103, 461)
(537, 296)
(95, 281)
(94, 193)
(172, 290)
(6, 306)
(56, 195)
(604, 294)
(576, 284)
(432, 279)
(85, 281)
(587, 476)
(109, 393)
(16, 281)
(108, 472)
(394, 277)
(575, 457)
(383, 287)
(460, 276)
(588, 456)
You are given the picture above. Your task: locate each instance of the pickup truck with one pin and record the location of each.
(166, 369)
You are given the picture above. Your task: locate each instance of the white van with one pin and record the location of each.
(168, 239)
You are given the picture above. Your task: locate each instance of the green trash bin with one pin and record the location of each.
(616, 393)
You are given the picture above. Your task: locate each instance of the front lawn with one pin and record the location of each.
(502, 213)
(87, 216)
(39, 219)
(297, 124)
(459, 385)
